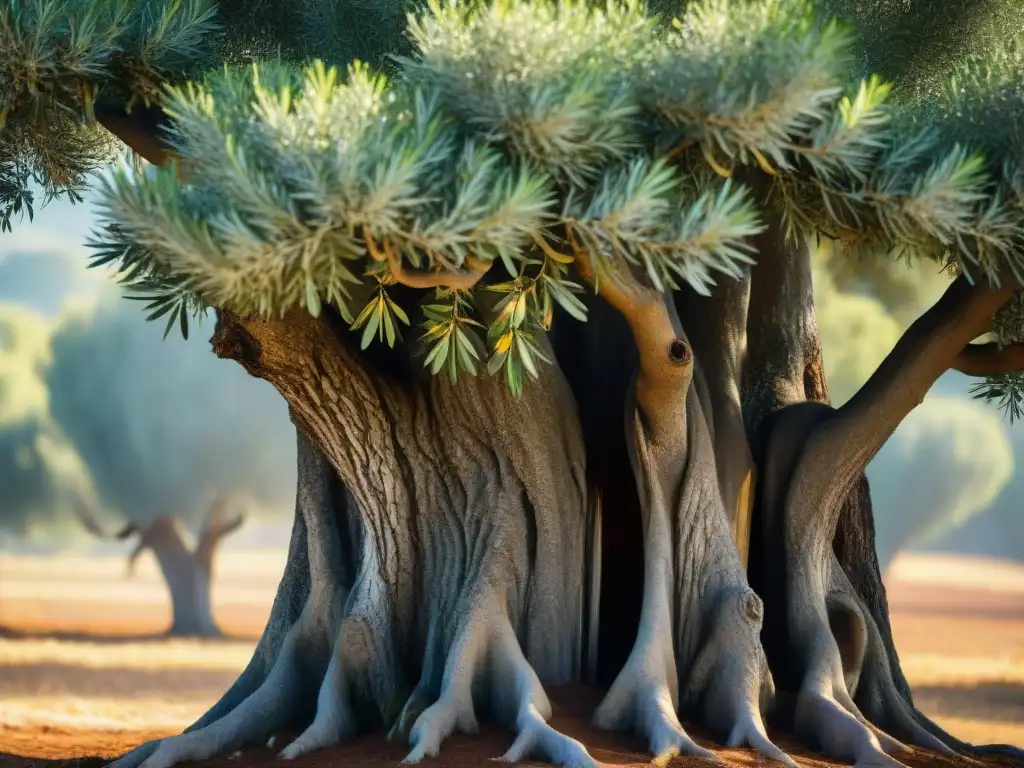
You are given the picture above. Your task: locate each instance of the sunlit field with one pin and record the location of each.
(84, 670)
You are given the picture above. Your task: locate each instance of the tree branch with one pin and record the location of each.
(666, 361)
(90, 520)
(989, 359)
(456, 281)
(839, 449)
(142, 129)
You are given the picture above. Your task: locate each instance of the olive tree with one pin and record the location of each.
(534, 279)
(185, 564)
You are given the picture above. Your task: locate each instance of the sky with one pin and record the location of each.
(94, 404)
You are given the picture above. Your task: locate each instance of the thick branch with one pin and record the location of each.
(839, 449)
(666, 362)
(142, 129)
(989, 359)
(929, 348)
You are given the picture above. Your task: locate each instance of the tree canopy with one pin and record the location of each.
(312, 163)
(535, 134)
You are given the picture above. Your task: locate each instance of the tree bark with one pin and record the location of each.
(813, 560)
(409, 487)
(697, 649)
(457, 492)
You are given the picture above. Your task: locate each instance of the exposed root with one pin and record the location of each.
(335, 721)
(834, 651)
(645, 695)
(535, 737)
(453, 710)
(826, 715)
(644, 699)
(267, 696)
(729, 678)
(303, 658)
(486, 651)
(881, 701)
(410, 491)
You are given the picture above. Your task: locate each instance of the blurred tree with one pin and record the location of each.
(493, 161)
(94, 406)
(975, 458)
(187, 566)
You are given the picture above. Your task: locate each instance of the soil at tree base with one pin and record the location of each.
(573, 706)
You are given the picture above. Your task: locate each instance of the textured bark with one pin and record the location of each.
(407, 490)
(716, 326)
(826, 628)
(787, 367)
(697, 649)
(508, 511)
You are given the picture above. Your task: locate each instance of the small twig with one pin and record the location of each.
(456, 281)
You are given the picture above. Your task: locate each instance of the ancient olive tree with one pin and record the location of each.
(186, 565)
(598, 223)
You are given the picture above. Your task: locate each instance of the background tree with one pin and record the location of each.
(471, 187)
(970, 445)
(186, 565)
(95, 406)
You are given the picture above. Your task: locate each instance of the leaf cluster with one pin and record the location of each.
(57, 57)
(531, 136)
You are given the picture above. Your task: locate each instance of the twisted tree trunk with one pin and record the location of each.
(813, 560)
(451, 542)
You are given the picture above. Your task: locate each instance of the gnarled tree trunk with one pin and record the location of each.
(450, 541)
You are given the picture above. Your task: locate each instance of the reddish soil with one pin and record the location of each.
(573, 706)
(84, 675)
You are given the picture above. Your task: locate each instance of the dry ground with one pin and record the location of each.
(83, 671)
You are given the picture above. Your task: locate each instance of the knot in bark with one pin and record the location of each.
(679, 352)
(231, 341)
(753, 607)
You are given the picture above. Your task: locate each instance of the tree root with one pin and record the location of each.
(316, 570)
(826, 715)
(486, 646)
(405, 493)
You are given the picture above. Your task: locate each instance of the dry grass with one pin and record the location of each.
(92, 676)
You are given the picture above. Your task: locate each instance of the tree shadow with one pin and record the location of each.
(122, 683)
(8, 760)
